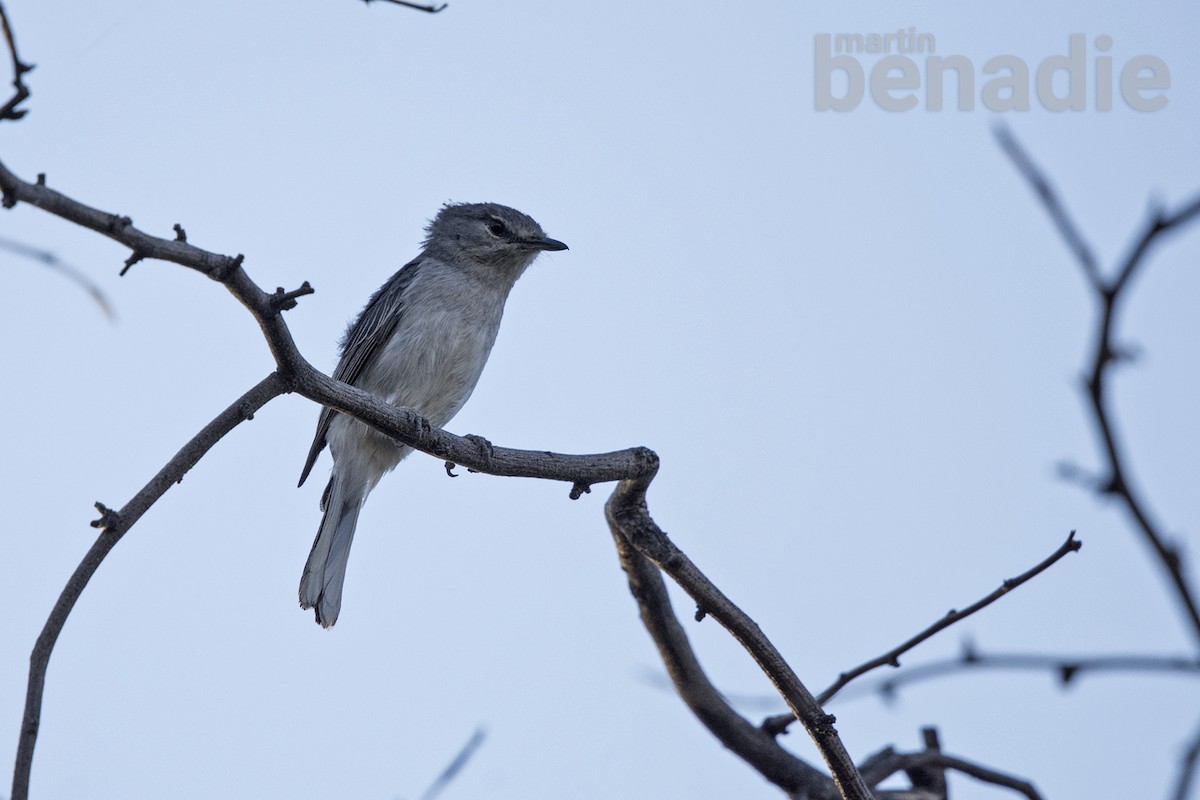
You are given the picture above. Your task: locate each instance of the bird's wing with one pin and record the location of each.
(364, 337)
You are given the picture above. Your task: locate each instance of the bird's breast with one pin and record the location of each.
(434, 358)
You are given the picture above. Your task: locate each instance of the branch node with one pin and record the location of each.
(226, 268)
(134, 258)
(286, 301)
(700, 614)
(579, 489)
(1073, 544)
(109, 521)
(823, 724)
(450, 465)
(41, 179)
(118, 223)
(180, 233)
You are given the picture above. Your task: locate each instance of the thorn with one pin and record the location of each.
(450, 465)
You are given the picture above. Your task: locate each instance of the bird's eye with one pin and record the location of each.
(496, 228)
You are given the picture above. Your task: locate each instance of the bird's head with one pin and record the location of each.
(498, 237)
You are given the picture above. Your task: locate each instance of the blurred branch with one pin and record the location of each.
(431, 9)
(1065, 668)
(1109, 292)
(456, 765)
(54, 262)
(1187, 768)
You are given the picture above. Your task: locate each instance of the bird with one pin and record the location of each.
(421, 341)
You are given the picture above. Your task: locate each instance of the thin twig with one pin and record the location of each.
(892, 657)
(779, 723)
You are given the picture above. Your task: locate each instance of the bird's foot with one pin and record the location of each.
(486, 450)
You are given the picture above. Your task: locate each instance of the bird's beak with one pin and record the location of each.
(546, 243)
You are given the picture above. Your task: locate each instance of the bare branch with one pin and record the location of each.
(779, 723)
(1109, 293)
(887, 763)
(116, 524)
(629, 519)
(745, 739)
(892, 657)
(979, 772)
(21, 92)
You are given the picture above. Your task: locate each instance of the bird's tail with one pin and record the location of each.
(321, 584)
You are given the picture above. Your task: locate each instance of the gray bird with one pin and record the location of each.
(421, 341)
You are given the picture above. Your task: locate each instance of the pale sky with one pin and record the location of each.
(853, 337)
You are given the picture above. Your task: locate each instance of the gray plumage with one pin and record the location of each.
(421, 341)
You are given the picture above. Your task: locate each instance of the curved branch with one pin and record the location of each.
(116, 524)
(889, 762)
(629, 519)
(749, 742)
